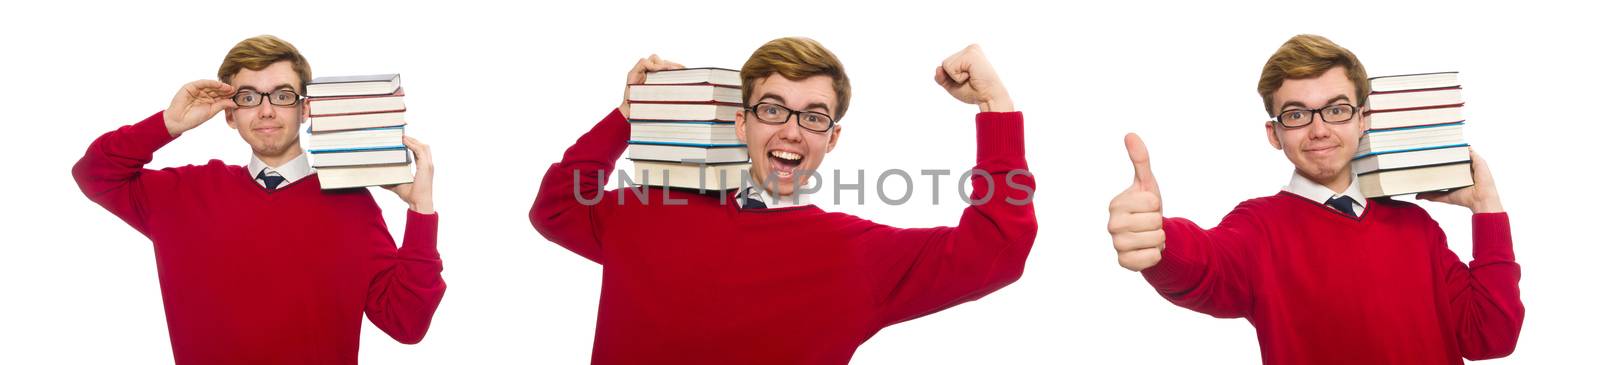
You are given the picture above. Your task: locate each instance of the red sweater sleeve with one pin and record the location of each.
(922, 271)
(1208, 271)
(112, 174)
(557, 212)
(1483, 305)
(405, 293)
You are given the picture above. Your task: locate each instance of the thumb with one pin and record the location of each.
(1142, 177)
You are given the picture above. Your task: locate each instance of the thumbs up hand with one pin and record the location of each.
(1136, 219)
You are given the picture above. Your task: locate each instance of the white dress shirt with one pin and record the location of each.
(1303, 186)
(294, 170)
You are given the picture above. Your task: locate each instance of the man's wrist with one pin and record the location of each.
(424, 207)
(999, 104)
(1491, 205)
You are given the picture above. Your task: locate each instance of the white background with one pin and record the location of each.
(500, 92)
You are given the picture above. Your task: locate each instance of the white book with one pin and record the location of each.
(682, 112)
(1392, 140)
(356, 121)
(1414, 99)
(713, 75)
(360, 176)
(1415, 180)
(353, 85)
(1401, 160)
(688, 153)
(1432, 80)
(1414, 117)
(703, 93)
(339, 105)
(356, 158)
(717, 134)
(360, 139)
(689, 176)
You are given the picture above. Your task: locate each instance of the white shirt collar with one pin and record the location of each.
(294, 170)
(1303, 186)
(764, 196)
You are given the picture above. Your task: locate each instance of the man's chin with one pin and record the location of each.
(264, 150)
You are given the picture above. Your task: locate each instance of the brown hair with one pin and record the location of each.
(258, 52)
(1307, 56)
(796, 58)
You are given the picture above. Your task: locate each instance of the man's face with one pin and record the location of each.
(786, 151)
(271, 130)
(1320, 151)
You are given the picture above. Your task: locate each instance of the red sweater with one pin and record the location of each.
(708, 283)
(252, 277)
(1322, 287)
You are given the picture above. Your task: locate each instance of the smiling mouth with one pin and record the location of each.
(1322, 149)
(784, 162)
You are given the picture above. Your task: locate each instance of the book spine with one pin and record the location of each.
(1404, 150)
(1387, 92)
(1415, 127)
(684, 144)
(1456, 105)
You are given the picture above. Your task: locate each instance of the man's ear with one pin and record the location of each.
(738, 126)
(833, 137)
(227, 114)
(1365, 121)
(1272, 136)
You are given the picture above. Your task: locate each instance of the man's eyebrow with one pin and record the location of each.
(1287, 105)
(1330, 101)
(772, 96)
(275, 88)
(822, 106)
(1336, 98)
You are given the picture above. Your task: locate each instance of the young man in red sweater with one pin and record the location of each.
(259, 265)
(1326, 275)
(758, 276)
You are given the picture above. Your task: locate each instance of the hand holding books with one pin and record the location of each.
(196, 103)
(418, 193)
(1136, 220)
(969, 77)
(1481, 197)
(636, 75)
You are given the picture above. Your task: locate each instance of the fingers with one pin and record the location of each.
(1136, 200)
(208, 89)
(421, 151)
(941, 78)
(1480, 169)
(645, 65)
(1140, 157)
(636, 75)
(955, 68)
(1140, 259)
(1432, 196)
(655, 63)
(1134, 241)
(1134, 222)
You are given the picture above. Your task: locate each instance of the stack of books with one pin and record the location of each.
(357, 129)
(682, 129)
(1414, 142)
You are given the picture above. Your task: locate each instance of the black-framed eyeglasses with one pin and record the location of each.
(770, 113)
(282, 97)
(1332, 114)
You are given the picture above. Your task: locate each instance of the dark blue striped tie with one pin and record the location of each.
(1344, 204)
(751, 203)
(272, 181)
